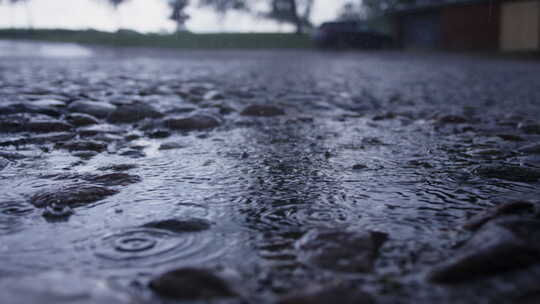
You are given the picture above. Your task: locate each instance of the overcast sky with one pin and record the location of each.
(140, 15)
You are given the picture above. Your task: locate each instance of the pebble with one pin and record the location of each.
(262, 111)
(508, 208)
(18, 108)
(329, 295)
(180, 225)
(47, 126)
(171, 146)
(113, 179)
(191, 284)
(133, 113)
(119, 167)
(342, 251)
(510, 137)
(529, 127)
(452, 119)
(509, 172)
(500, 246)
(84, 145)
(97, 109)
(530, 149)
(71, 195)
(191, 123)
(81, 120)
(359, 167)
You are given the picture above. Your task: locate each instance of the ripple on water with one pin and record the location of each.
(282, 215)
(145, 247)
(11, 213)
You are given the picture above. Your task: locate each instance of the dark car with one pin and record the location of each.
(350, 34)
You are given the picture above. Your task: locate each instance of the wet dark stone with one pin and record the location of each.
(50, 138)
(419, 163)
(133, 153)
(81, 120)
(332, 295)
(46, 126)
(32, 123)
(500, 246)
(171, 146)
(529, 128)
(510, 137)
(191, 284)
(95, 108)
(508, 208)
(133, 113)
(180, 225)
(195, 122)
(359, 167)
(342, 251)
(119, 167)
(58, 287)
(159, 134)
(18, 108)
(85, 154)
(84, 145)
(385, 116)
(530, 149)
(509, 172)
(113, 179)
(71, 195)
(262, 111)
(452, 119)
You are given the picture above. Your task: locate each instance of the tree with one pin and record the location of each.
(27, 7)
(352, 11)
(295, 12)
(115, 4)
(374, 7)
(178, 13)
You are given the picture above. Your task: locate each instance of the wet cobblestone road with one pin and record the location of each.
(381, 177)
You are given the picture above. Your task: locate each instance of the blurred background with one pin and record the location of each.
(449, 25)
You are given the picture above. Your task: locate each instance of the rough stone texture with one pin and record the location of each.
(113, 179)
(191, 284)
(509, 172)
(529, 127)
(503, 245)
(330, 295)
(17, 108)
(84, 145)
(81, 120)
(530, 149)
(262, 111)
(180, 225)
(514, 207)
(71, 195)
(133, 113)
(342, 251)
(47, 126)
(195, 122)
